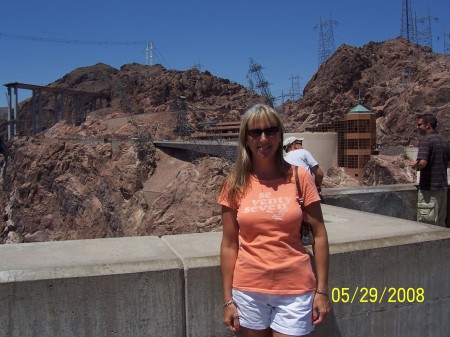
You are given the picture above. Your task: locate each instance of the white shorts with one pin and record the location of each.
(287, 314)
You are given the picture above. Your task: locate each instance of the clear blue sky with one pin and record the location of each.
(219, 36)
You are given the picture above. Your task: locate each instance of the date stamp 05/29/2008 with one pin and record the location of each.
(376, 295)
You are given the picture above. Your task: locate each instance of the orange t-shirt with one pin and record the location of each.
(271, 257)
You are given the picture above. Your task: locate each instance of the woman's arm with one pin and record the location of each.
(321, 305)
(228, 255)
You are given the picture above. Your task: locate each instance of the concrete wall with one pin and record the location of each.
(102, 287)
(170, 286)
(323, 147)
(398, 201)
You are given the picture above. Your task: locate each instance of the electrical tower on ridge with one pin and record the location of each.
(257, 82)
(407, 29)
(425, 38)
(326, 39)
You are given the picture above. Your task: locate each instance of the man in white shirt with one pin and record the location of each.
(298, 156)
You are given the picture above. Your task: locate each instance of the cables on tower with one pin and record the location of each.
(295, 92)
(257, 82)
(425, 37)
(326, 39)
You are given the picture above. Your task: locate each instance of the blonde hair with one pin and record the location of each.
(236, 183)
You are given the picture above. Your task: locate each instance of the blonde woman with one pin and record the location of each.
(269, 288)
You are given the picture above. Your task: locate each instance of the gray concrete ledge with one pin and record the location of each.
(171, 286)
(368, 189)
(399, 201)
(84, 258)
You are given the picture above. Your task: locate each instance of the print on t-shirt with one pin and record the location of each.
(277, 207)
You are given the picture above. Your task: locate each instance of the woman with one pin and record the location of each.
(269, 288)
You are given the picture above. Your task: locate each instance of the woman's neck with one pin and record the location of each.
(265, 171)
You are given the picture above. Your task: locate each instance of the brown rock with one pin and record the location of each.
(94, 179)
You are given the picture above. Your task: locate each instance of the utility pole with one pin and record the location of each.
(326, 39)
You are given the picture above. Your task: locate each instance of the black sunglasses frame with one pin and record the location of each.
(269, 132)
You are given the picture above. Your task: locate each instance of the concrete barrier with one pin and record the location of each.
(388, 277)
(399, 201)
(103, 287)
(379, 269)
(203, 286)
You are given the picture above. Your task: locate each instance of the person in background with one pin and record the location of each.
(269, 287)
(298, 156)
(432, 161)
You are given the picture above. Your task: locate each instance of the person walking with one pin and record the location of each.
(298, 156)
(432, 161)
(269, 287)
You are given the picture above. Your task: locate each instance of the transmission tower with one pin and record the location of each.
(198, 66)
(295, 92)
(257, 82)
(407, 29)
(425, 37)
(446, 39)
(179, 109)
(149, 54)
(326, 39)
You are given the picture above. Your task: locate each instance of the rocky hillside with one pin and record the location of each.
(73, 190)
(395, 79)
(138, 89)
(70, 183)
(103, 177)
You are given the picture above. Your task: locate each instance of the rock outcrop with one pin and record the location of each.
(394, 79)
(94, 179)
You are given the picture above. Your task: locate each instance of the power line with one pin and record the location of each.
(67, 41)
(150, 46)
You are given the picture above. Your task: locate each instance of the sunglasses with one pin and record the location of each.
(269, 132)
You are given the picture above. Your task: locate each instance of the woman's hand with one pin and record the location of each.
(231, 318)
(321, 308)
